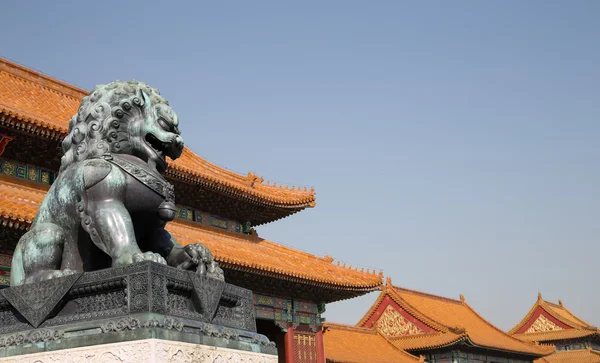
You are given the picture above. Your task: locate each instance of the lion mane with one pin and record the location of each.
(101, 123)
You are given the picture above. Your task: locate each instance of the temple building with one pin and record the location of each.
(435, 328)
(549, 323)
(217, 208)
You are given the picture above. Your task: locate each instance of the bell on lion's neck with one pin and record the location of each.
(166, 211)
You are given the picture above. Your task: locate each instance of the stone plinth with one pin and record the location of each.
(144, 351)
(141, 305)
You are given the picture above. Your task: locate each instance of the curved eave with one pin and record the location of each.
(549, 350)
(297, 278)
(231, 184)
(23, 222)
(247, 194)
(25, 123)
(441, 340)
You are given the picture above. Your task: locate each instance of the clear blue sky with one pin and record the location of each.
(453, 144)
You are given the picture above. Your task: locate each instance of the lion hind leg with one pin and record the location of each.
(40, 252)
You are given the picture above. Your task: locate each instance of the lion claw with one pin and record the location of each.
(129, 258)
(148, 256)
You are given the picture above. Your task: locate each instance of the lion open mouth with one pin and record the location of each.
(161, 148)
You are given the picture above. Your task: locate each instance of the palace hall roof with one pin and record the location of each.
(38, 104)
(547, 322)
(20, 200)
(348, 344)
(417, 321)
(572, 356)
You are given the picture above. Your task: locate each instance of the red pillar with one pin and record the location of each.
(289, 345)
(320, 347)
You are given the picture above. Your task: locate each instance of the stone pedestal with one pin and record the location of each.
(144, 351)
(134, 311)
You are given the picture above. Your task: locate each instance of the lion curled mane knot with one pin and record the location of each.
(110, 203)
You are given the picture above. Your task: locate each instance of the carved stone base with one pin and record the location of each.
(144, 351)
(129, 304)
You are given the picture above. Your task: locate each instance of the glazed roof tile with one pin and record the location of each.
(454, 321)
(549, 336)
(428, 341)
(346, 344)
(572, 356)
(19, 204)
(34, 102)
(575, 327)
(234, 250)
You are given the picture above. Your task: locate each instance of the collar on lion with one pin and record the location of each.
(157, 183)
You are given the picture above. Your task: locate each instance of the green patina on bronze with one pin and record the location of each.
(110, 203)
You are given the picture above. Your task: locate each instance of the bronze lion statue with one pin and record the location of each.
(110, 203)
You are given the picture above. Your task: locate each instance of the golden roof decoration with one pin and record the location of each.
(547, 321)
(450, 322)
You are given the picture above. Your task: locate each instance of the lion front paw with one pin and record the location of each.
(129, 258)
(49, 274)
(195, 257)
(215, 271)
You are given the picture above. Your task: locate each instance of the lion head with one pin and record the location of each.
(123, 118)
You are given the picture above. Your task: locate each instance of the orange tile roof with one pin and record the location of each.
(236, 251)
(346, 344)
(454, 320)
(428, 341)
(575, 327)
(550, 336)
(19, 204)
(34, 102)
(572, 356)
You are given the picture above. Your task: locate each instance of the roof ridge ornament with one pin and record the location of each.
(253, 178)
(462, 298)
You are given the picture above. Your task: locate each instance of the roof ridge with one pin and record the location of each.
(416, 313)
(496, 328)
(554, 305)
(424, 335)
(550, 310)
(527, 316)
(584, 323)
(252, 180)
(410, 291)
(349, 327)
(34, 76)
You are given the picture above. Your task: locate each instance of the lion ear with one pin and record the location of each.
(146, 99)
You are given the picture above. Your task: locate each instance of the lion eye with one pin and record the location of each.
(164, 124)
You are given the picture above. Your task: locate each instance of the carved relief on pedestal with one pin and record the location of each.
(167, 351)
(133, 352)
(393, 324)
(145, 351)
(542, 324)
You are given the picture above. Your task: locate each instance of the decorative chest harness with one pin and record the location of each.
(166, 210)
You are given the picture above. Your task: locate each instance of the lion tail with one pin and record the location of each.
(17, 271)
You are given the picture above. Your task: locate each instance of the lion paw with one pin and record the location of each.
(49, 274)
(129, 258)
(148, 256)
